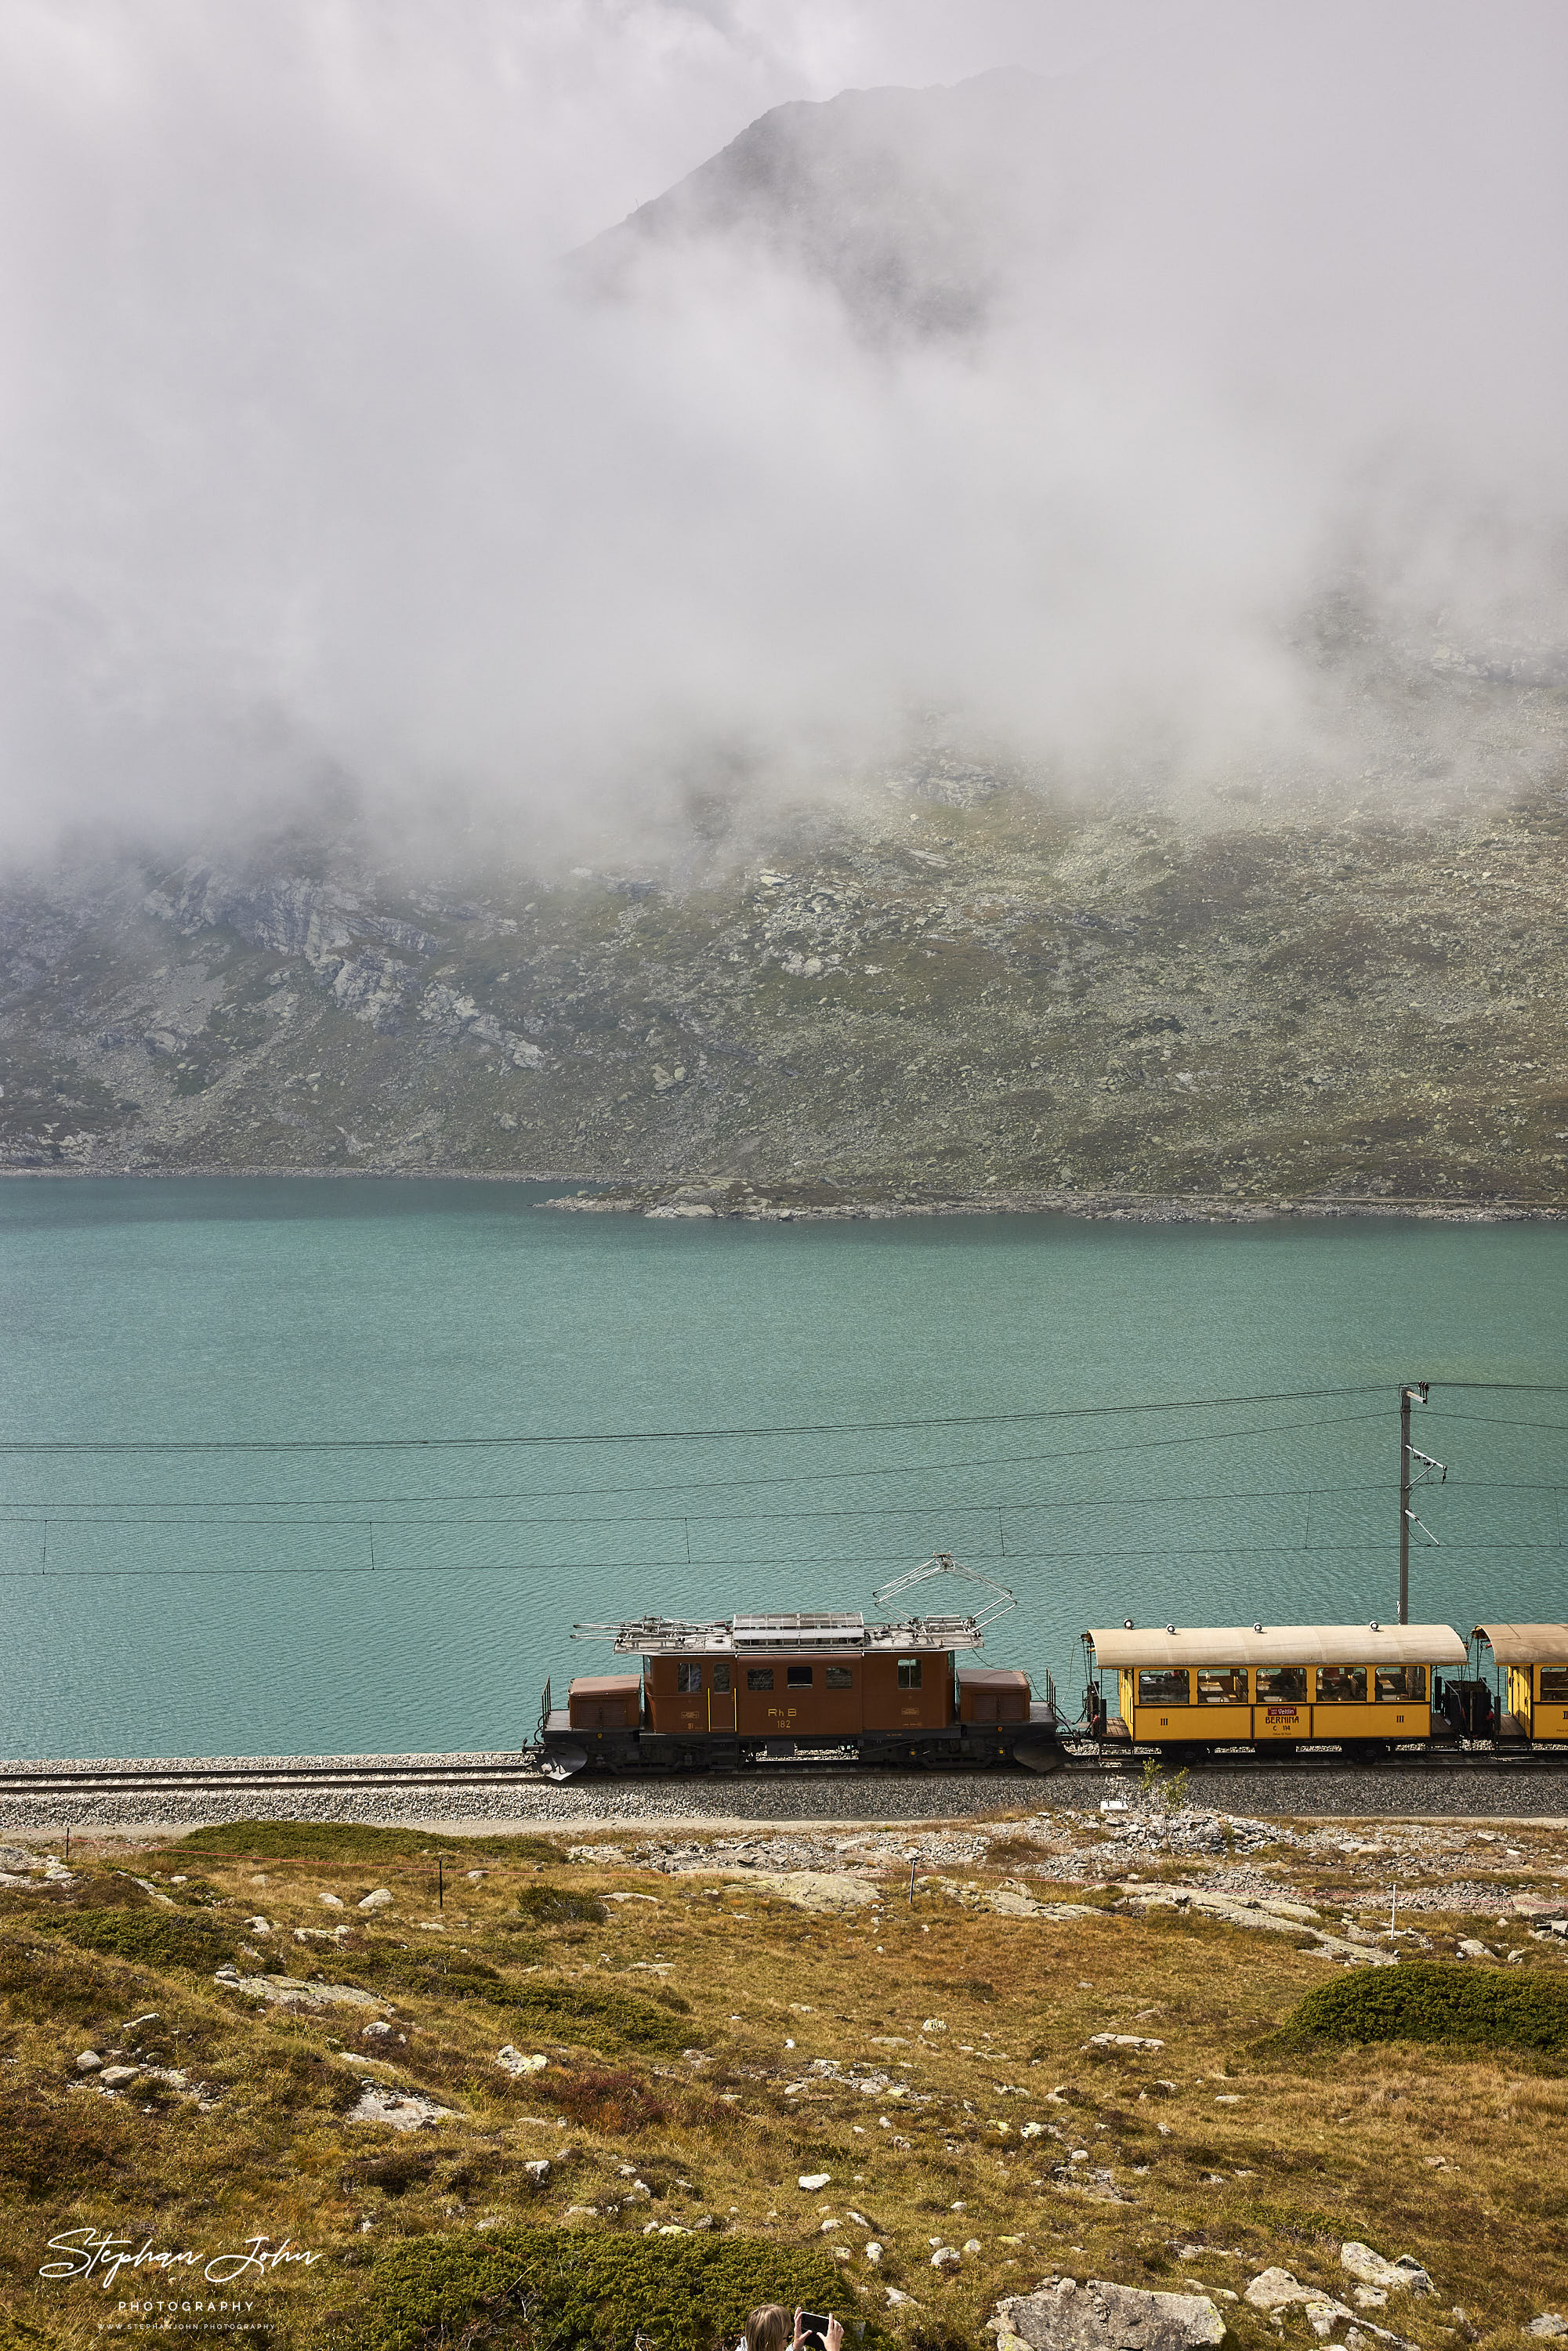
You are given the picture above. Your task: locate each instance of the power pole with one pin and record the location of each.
(1417, 1391)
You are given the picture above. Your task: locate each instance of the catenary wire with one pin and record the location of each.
(658, 1435)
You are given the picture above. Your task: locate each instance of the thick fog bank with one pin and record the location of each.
(1187, 411)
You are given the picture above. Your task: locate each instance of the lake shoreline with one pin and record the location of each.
(725, 1199)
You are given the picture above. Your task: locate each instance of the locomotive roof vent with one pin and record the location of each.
(835, 1629)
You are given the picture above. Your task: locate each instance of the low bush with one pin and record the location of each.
(348, 1841)
(1465, 2007)
(47, 1985)
(559, 1906)
(581, 2291)
(598, 2016)
(45, 2140)
(152, 1936)
(606, 2098)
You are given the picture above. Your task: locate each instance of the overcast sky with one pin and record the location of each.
(313, 464)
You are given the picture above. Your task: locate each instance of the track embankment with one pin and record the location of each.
(490, 1790)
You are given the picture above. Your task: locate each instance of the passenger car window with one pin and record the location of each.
(721, 1677)
(909, 1673)
(689, 1677)
(1162, 1686)
(1554, 1681)
(1400, 1681)
(1342, 1685)
(1282, 1684)
(840, 1677)
(798, 1676)
(1222, 1685)
(758, 1677)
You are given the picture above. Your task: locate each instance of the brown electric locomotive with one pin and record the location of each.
(721, 1695)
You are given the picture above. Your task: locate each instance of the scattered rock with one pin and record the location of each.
(1098, 2316)
(513, 2062)
(379, 2031)
(114, 2077)
(89, 2062)
(814, 2181)
(1549, 2326)
(402, 2110)
(1123, 2040)
(1276, 2290)
(947, 2257)
(1472, 1949)
(331, 1901)
(873, 2253)
(538, 2170)
(289, 1991)
(380, 1900)
(1405, 2275)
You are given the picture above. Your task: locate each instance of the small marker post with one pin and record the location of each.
(912, 1885)
(440, 1883)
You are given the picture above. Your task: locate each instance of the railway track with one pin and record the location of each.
(1076, 1769)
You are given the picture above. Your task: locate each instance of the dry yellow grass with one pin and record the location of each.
(1462, 2162)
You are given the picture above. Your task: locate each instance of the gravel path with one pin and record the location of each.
(768, 1795)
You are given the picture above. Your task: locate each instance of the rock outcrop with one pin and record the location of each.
(1100, 2316)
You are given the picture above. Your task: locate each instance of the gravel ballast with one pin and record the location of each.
(771, 1793)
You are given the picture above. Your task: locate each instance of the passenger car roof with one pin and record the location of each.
(1280, 1645)
(1526, 1644)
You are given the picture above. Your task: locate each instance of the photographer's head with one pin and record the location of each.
(767, 2329)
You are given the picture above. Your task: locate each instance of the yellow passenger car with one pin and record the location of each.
(1234, 1686)
(1535, 1660)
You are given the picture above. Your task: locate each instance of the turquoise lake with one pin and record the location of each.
(355, 1507)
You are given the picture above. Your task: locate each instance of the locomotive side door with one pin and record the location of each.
(721, 1695)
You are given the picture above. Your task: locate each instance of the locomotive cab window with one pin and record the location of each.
(721, 1677)
(1342, 1685)
(758, 1677)
(1400, 1682)
(798, 1676)
(1163, 1685)
(1221, 1685)
(840, 1677)
(1282, 1684)
(1554, 1682)
(909, 1673)
(689, 1677)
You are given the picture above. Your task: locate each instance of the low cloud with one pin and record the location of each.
(329, 481)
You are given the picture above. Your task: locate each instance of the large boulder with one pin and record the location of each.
(1098, 2316)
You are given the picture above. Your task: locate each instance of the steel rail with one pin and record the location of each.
(525, 1773)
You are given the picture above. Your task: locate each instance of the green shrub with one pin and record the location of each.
(438, 1974)
(347, 1841)
(152, 1938)
(586, 2291)
(559, 1906)
(602, 2016)
(1426, 2000)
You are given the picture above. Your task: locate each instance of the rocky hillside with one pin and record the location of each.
(949, 990)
